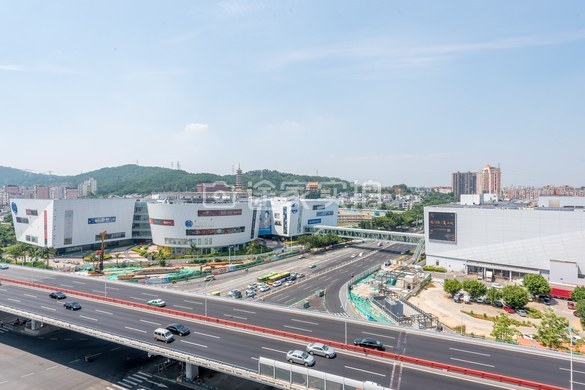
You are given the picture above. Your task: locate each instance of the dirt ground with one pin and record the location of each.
(435, 301)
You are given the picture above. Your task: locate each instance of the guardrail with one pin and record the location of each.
(335, 344)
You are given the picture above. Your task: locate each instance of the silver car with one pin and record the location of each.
(321, 350)
(300, 357)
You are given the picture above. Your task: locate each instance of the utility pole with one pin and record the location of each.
(101, 268)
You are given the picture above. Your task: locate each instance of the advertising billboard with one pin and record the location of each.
(265, 223)
(442, 227)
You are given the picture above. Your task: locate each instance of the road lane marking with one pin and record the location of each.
(105, 312)
(238, 317)
(183, 307)
(138, 330)
(274, 350)
(189, 342)
(139, 376)
(67, 285)
(133, 376)
(254, 358)
(12, 299)
(49, 308)
(294, 327)
(89, 318)
(129, 381)
(115, 349)
(123, 384)
(566, 369)
(29, 295)
(334, 280)
(75, 281)
(138, 299)
(245, 311)
(145, 374)
(197, 303)
(25, 375)
(150, 295)
(475, 353)
(113, 288)
(150, 322)
(208, 335)
(304, 322)
(98, 291)
(369, 372)
(470, 362)
(2, 289)
(379, 335)
(74, 361)
(51, 368)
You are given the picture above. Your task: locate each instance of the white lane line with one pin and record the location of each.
(466, 351)
(334, 280)
(105, 312)
(139, 376)
(113, 288)
(25, 375)
(66, 285)
(294, 327)
(133, 377)
(138, 299)
(115, 349)
(238, 317)
(49, 308)
(208, 335)
(470, 362)
(189, 342)
(123, 384)
(75, 281)
(197, 303)
(145, 374)
(49, 277)
(29, 295)
(89, 318)
(68, 339)
(183, 307)
(138, 330)
(98, 291)
(579, 383)
(150, 295)
(379, 335)
(369, 372)
(566, 369)
(273, 350)
(245, 311)
(129, 381)
(119, 387)
(283, 297)
(254, 358)
(12, 299)
(74, 361)
(304, 322)
(150, 322)
(51, 368)
(2, 289)
(1, 383)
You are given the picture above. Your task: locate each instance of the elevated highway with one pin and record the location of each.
(234, 334)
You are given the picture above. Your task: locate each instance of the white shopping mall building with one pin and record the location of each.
(171, 220)
(509, 240)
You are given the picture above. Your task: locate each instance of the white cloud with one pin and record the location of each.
(384, 53)
(193, 130)
(238, 8)
(10, 68)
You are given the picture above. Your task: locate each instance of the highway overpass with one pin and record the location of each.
(237, 348)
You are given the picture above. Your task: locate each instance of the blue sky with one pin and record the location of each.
(389, 91)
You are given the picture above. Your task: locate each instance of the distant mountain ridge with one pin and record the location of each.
(135, 179)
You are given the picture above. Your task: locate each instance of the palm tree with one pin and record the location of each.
(47, 253)
(117, 256)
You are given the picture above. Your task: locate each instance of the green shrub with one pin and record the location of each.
(432, 268)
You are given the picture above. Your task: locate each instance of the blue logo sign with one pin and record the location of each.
(14, 208)
(93, 221)
(188, 223)
(294, 208)
(314, 221)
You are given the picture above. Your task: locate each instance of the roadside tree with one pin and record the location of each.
(503, 330)
(475, 288)
(536, 284)
(515, 296)
(580, 310)
(552, 331)
(452, 286)
(578, 294)
(494, 295)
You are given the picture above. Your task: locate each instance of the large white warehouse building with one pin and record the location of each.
(508, 241)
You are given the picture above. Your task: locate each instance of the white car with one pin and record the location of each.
(497, 285)
(353, 255)
(278, 283)
(264, 288)
(156, 302)
(528, 336)
(253, 286)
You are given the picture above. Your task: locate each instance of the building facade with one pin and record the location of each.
(489, 180)
(464, 183)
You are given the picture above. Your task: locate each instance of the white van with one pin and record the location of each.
(209, 278)
(162, 334)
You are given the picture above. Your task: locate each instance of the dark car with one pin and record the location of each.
(57, 295)
(72, 306)
(498, 304)
(369, 343)
(179, 329)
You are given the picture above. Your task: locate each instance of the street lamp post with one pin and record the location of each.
(571, 376)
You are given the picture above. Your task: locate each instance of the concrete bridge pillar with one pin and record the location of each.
(191, 371)
(35, 325)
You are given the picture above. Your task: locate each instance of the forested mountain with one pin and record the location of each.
(134, 179)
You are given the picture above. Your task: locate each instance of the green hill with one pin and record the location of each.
(134, 179)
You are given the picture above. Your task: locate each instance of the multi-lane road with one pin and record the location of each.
(228, 345)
